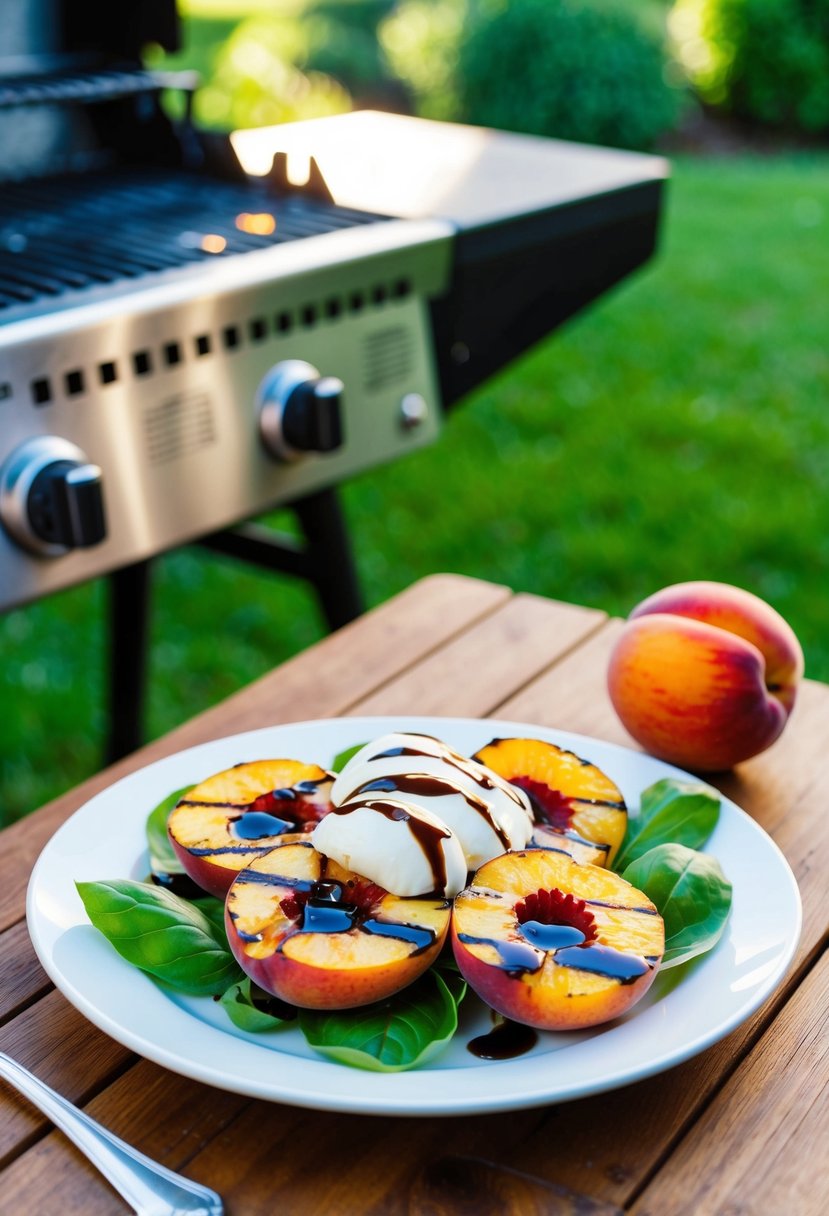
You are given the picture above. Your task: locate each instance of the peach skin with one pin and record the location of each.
(705, 675)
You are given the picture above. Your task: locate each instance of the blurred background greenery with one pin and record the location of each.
(677, 430)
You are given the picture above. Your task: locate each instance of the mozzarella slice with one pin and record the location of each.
(396, 844)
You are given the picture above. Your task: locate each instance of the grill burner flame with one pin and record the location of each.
(259, 224)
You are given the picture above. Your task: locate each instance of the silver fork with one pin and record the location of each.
(149, 1188)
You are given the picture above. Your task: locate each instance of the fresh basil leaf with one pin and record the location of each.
(692, 894)
(164, 935)
(392, 1035)
(342, 758)
(214, 910)
(449, 972)
(163, 859)
(671, 812)
(246, 1005)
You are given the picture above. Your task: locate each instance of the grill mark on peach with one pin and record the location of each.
(602, 903)
(572, 834)
(276, 880)
(242, 807)
(219, 850)
(486, 893)
(548, 848)
(229, 806)
(551, 848)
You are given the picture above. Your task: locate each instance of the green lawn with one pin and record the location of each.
(678, 430)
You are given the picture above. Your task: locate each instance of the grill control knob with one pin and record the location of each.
(51, 497)
(300, 411)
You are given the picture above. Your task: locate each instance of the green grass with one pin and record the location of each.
(677, 430)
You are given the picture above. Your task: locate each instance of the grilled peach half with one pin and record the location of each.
(223, 823)
(322, 937)
(577, 808)
(554, 943)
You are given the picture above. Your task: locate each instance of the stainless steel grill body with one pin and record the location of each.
(159, 387)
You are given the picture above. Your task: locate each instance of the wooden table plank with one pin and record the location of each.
(572, 695)
(55, 1177)
(469, 675)
(22, 979)
(170, 1117)
(471, 1186)
(775, 1158)
(378, 1166)
(65, 1051)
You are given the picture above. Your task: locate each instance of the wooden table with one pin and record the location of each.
(742, 1128)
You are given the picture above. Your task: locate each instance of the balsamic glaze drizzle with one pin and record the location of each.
(256, 825)
(517, 957)
(177, 884)
(470, 768)
(428, 786)
(429, 836)
(327, 910)
(550, 937)
(504, 1042)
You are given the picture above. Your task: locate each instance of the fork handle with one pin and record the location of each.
(150, 1188)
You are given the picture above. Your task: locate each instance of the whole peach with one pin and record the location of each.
(704, 674)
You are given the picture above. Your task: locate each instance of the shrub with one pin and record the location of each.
(258, 78)
(344, 44)
(766, 60)
(591, 70)
(421, 41)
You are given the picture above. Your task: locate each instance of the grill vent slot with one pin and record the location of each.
(178, 427)
(388, 356)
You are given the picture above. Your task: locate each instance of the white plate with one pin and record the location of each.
(105, 839)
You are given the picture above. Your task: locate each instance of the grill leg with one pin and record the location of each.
(331, 562)
(324, 560)
(129, 614)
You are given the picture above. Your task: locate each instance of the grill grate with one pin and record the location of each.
(89, 88)
(69, 234)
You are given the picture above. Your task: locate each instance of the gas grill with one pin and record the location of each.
(196, 329)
